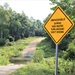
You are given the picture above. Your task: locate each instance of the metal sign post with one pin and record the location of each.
(56, 62)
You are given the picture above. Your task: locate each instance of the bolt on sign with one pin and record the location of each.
(58, 25)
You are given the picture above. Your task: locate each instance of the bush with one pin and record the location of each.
(70, 52)
(4, 60)
(47, 67)
(46, 47)
(8, 43)
(38, 56)
(2, 41)
(33, 69)
(10, 38)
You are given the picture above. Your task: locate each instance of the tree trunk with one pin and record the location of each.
(1, 33)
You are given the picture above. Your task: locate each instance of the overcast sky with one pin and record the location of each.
(38, 9)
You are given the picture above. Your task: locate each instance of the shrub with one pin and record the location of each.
(20, 49)
(8, 43)
(2, 41)
(16, 54)
(38, 56)
(70, 52)
(10, 38)
(47, 67)
(33, 69)
(46, 47)
(4, 60)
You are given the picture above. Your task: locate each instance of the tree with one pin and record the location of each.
(39, 31)
(2, 24)
(17, 25)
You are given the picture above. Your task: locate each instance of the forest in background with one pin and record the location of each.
(14, 26)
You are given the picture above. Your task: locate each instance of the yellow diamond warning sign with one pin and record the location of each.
(58, 25)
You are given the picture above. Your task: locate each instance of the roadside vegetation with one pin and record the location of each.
(13, 50)
(43, 62)
(46, 68)
(16, 32)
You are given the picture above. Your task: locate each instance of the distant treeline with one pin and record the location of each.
(18, 25)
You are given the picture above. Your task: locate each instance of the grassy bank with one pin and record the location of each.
(13, 50)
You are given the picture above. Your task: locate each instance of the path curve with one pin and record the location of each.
(29, 51)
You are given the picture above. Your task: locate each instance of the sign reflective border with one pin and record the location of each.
(58, 25)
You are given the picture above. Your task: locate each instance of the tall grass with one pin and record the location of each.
(15, 49)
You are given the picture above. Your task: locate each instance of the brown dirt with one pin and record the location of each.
(29, 51)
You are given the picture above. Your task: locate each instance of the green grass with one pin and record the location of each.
(13, 50)
(47, 65)
(45, 46)
(41, 68)
(33, 69)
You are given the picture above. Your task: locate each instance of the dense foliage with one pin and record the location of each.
(13, 49)
(15, 25)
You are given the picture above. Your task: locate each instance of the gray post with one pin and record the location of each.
(56, 62)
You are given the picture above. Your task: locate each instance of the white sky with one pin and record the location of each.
(38, 9)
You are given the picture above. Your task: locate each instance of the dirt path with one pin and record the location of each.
(29, 51)
(6, 70)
